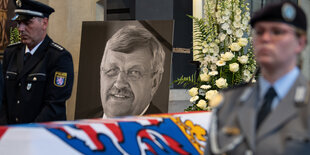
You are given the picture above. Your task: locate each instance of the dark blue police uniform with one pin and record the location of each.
(37, 90)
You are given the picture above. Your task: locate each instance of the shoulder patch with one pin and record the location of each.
(14, 44)
(60, 79)
(55, 45)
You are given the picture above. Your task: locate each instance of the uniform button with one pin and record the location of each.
(19, 84)
(16, 119)
(34, 79)
(18, 101)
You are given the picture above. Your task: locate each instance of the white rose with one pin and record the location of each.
(243, 59)
(242, 42)
(246, 75)
(225, 26)
(227, 12)
(245, 21)
(193, 99)
(239, 33)
(237, 24)
(213, 73)
(225, 17)
(216, 49)
(222, 36)
(205, 70)
(202, 104)
(229, 31)
(235, 47)
(210, 94)
(193, 91)
(221, 63)
(227, 56)
(205, 87)
(238, 18)
(234, 67)
(221, 83)
(239, 11)
(205, 77)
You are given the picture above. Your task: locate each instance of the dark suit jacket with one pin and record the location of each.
(37, 90)
(152, 109)
(286, 130)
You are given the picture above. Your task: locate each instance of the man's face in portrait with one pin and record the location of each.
(126, 82)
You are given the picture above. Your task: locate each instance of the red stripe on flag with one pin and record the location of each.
(2, 131)
(116, 131)
(92, 135)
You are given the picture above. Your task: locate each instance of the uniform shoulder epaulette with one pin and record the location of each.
(14, 44)
(55, 45)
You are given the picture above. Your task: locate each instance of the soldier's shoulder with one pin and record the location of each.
(14, 44)
(57, 46)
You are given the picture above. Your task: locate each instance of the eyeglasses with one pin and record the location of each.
(274, 33)
(131, 74)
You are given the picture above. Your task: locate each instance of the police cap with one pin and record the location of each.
(26, 9)
(286, 12)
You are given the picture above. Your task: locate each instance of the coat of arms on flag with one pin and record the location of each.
(60, 79)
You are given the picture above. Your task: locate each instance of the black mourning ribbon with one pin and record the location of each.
(27, 57)
(266, 108)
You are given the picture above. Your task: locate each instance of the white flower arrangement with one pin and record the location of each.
(222, 45)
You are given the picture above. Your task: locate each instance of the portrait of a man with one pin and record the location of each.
(131, 71)
(124, 68)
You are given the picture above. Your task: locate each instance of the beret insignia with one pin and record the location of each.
(288, 12)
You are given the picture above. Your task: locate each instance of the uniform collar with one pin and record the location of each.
(281, 86)
(34, 49)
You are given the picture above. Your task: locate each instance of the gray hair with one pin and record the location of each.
(130, 38)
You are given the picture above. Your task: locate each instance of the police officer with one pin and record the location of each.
(271, 116)
(38, 72)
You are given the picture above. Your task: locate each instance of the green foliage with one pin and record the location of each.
(14, 35)
(187, 82)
